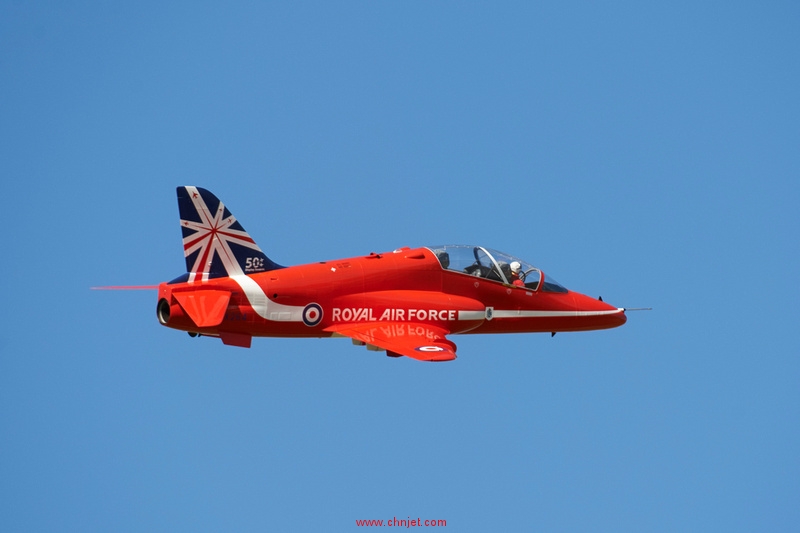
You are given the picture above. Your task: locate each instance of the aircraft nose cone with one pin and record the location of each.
(598, 313)
(614, 317)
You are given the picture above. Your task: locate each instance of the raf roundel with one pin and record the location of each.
(429, 349)
(312, 315)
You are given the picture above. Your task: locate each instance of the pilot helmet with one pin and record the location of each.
(515, 266)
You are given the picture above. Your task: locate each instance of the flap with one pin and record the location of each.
(206, 308)
(422, 342)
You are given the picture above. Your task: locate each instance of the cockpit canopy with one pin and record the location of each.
(493, 265)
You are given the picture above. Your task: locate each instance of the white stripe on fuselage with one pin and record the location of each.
(269, 310)
(262, 305)
(549, 314)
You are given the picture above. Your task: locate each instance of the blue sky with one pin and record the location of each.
(648, 154)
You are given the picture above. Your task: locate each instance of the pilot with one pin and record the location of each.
(515, 279)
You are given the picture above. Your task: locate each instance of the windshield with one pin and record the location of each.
(551, 285)
(489, 264)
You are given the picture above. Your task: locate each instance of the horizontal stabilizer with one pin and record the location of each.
(206, 308)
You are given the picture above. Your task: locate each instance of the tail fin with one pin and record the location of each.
(214, 243)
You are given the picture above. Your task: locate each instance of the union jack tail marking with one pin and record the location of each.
(214, 243)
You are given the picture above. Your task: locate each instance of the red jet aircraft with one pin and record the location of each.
(405, 302)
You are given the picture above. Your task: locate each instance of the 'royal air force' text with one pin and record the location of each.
(367, 314)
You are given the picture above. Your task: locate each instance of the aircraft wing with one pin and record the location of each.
(417, 341)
